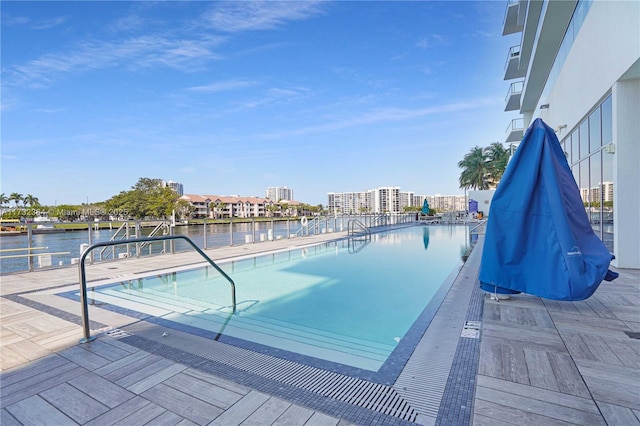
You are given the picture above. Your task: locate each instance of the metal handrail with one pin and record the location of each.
(83, 276)
(482, 223)
(351, 227)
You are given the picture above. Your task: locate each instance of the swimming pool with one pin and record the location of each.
(350, 302)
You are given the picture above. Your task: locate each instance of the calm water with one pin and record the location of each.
(349, 301)
(218, 235)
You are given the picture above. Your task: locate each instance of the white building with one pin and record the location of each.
(577, 67)
(389, 200)
(278, 193)
(176, 186)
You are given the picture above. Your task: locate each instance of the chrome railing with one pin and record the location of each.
(476, 229)
(83, 276)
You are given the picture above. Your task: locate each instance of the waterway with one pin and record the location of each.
(64, 248)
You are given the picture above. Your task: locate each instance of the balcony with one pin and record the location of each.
(513, 23)
(512, 101)
(512, 67)
(515, 130)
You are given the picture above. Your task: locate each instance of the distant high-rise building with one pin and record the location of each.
(176, 186)
(277, 193)
(389, 200)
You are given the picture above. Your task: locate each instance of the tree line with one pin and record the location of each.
(145, 200)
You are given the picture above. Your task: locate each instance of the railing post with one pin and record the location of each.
(253, 230)
(29, 245)
(204, 244)
(92, 260)
(138, 235)
(231, 232)
(83, 299)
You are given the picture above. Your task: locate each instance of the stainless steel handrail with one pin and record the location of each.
(83, 276)
(351, 227)
(482, 222)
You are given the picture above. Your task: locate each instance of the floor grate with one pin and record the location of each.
(359, 392)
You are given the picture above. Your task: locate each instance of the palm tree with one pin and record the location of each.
(31, 200)
(15, 197)
(3, 199)
(475, 169)
(498, 158)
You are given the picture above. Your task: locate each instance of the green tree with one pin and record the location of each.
(475, 169)
(146, 199)
(498, 157)
(31, 200)
(184, 209)
(16, 198)
(3, 199)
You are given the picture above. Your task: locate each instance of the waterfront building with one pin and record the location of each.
(279, 193)
(218, 206)
(577, 67)
(176, 186)
(389, 200)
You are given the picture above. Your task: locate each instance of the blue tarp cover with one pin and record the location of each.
(538, 239)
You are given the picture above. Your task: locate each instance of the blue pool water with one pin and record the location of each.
(349, 302)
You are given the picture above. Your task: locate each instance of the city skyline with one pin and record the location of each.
(242, 96)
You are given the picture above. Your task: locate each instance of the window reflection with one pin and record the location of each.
(590, 151)
(595, 192)
(595, 139)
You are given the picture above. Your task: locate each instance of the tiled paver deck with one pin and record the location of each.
(540, 362)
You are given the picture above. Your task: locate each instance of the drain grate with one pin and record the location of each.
(362, 393)
(117, 333)
(471, 329)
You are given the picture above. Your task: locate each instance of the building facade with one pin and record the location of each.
(176, 186)
(577, 67)
(389, 200)
(220, 207)
(278, 193)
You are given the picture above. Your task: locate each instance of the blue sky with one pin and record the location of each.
(234, 97)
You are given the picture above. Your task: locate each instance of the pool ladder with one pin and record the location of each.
(83, 277)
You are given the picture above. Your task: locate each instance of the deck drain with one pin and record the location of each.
(471, 329)
(633, 334)
(116, 333)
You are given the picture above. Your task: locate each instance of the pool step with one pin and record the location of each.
(250, 326)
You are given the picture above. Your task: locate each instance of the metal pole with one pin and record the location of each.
(231, 231)
(83, 299)
(29, 245)
(253, 230)
(90, 242)
(204, 222)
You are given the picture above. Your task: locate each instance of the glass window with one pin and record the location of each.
(607, 124)
(595, 139)
(595, 190)
(607, 198)
(584, 139)
(575, 140)
(584, 182)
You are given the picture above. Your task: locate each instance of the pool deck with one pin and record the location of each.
(535, 362)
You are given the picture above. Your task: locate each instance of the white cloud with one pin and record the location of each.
(382, 115)
(261, 15)
(223, 86)
(138, 52)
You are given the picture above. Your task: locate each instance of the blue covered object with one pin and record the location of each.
(539, 240)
